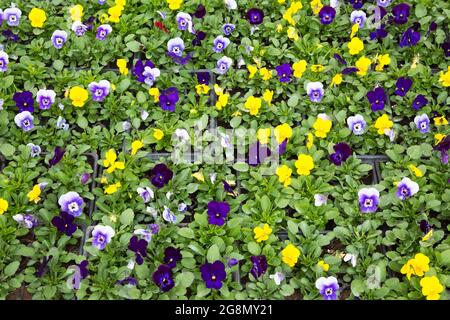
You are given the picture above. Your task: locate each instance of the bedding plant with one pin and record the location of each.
(224, 149)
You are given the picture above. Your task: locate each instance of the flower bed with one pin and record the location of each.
(253, 150)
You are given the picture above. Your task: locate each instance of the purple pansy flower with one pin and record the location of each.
(379, 34)
(228, 28)
(384, 3)
(160, 175)
(27, 221)
(257, 154)
(422, 123)
(220, 43)
(282, 147)
(259, 265)
(340, 59)
(357, 4)
(377, 98)
(4, 61)
(368, 199)
(419, 102)
(315, 91)
(163, 278)
(176, 46)
(327, 14)
(64, 223)
(127, 281)
(401, 13)
(172, 256)
(255, 16)
(24, 120)
(357, 124)
(358, 17)
(284, 72)
(445, 46)
(184, 21)
(169, 216)
(45, 98)
(168, 99)
(85, 177)
(328, 287)
(406, 188)
(9, 35)
(349, 70)
(341, 154)
(203, 78)
(409, 38)
(35, 150)
(443, 146)
(146, 194)
(424, 226)
(103, 31)
(139, 247)
(72, 203)
(200, 12)
(224, 64)
(217, 212)
(199, 37)
(43, 266)
(59, 38)
(102, 235)
(57, 156)
(139, 69)
(99, 90)
(179, 59)
(213, 274)
(403, 85)
(24, 101)
(232, 262)
(81, 272)
(12, 16)
(79, 28)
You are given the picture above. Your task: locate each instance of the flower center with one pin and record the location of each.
(183, 23)
(217, 215)
(13, 18)
(98, 92)
(73, 206)
(26, 123)
(213, 277)
(368, 203)
(1, 63)
(404, 191)
(329, 292)
(357, 127)
(327, 17)
(255, 17)
(59, 41)
(316, 94)
(176, 49)
(102, 33)
(423, 125)
(101, 239)
(219, 45)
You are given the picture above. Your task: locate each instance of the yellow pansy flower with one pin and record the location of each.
(267, 96)
(112, 188)
(383, 124)
(263, 135)
(304, 164)
(292, 33)
(78, 95)
(3, 206)
(444, 78)
(322, 126)
(111, 163)
(199, 176)
(299, 68)
(34, 194)
(428, 235)
(355, 29)
(284, 175)
(122, 65)
(440, 121)
(253, 105)
(202, 89)
(265, 74)
(322, 264)
(252, 69)
(416, 171)
(363, 65)
(316, 6)
(76, 12)
(262, 234)
(222, 101)
(337, 80)
(355, 46)
(279, 28)
(158, 134)
(317, 68)
(431, 287)
(290, 255)
(383, 60)
(438, 137)
(416, 266)
(136, 145)
(174, 4)
(282, 132)
(154, 92)
(309, 140)
(115, 13)
(37, 17)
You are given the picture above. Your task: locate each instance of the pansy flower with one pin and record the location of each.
(12, 16)
(403, 85)
(111, 162)
(213, 274)
(410, 38)
(284, 72)
(101, 236)
(357, 124)
(4, 60)
(255, 16)
(28, 221)
(446, 47)
(328, 287)
(139, 247)
(163, 278)
(57, 156)
(356, 4)
(223, 64)
(377, 98)
(315, 91)
(99, 90)
(368, 199)
(422, 123)
(228, 28)
(220, 43)
(160, 175)
(184, 21)
(146, 194)
(172, 256)
(342, 152)
(45, 98)
(443, 146)
(103, 31)
(35, 150)
(64, 223)
(168, 99)
(140, 67)
(200, 12)
(217, 212)
(231, 4)
(406, 188)
(24, 121)
(327, 14)
(175, 46)
(79, 28)
(259, 265)
(419, 102)
(78, 95)
(59, 38)
(401, 13)
(24, 101)
(379, 33)
(384, 3)
(72, 203)
(358, 17)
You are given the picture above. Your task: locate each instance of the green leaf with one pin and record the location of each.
(82, 122)
(421, 10)
(133, 46)
(7, 150)
(266, 205)
(293, 100)
(185, 279)
(240, 166)
(358, 286)
(11, 268)
(127, 217)
(213, 254)
(254, 248)
(445, 258)
(186, 232)
(58, 65)
(141, 97)
(292, 227)
(414, 152)
(25, 251)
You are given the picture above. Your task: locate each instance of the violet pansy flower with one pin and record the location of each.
(72, 203)
(35, 150)
(358, 17)
(79, 28)
(101, 236)
(103, 31)
(139, 247)
(357, 124)
(401, 13)
(220, 43)
(284, 72)
(384, 3)
(45, 98)
(4, 61)
(341, 154)
(357, 4)
(218, 212)
(228, 28)
(169, 216)
(27, 221)
(419, 102)
(24, 101)
(368, 199)
(409, 38)
(172, 256)
(146, 194)
(224, 64)
(175, 46)
(163, 278)
(150, 75)
(64, 223)
(422, 123)
(315, 91)
(160, 175)
(403, 85)
(259, 265)
(328, 287)
(168, 99)
(184, 21)
(377, 98)
(327, 14)
(406, 188)
(59, 38)
(12, 16)
(139, 68)
(255, 16)
(443, 146)
(57, 156)
(99, 90)
(24, 120)
(213, 274)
